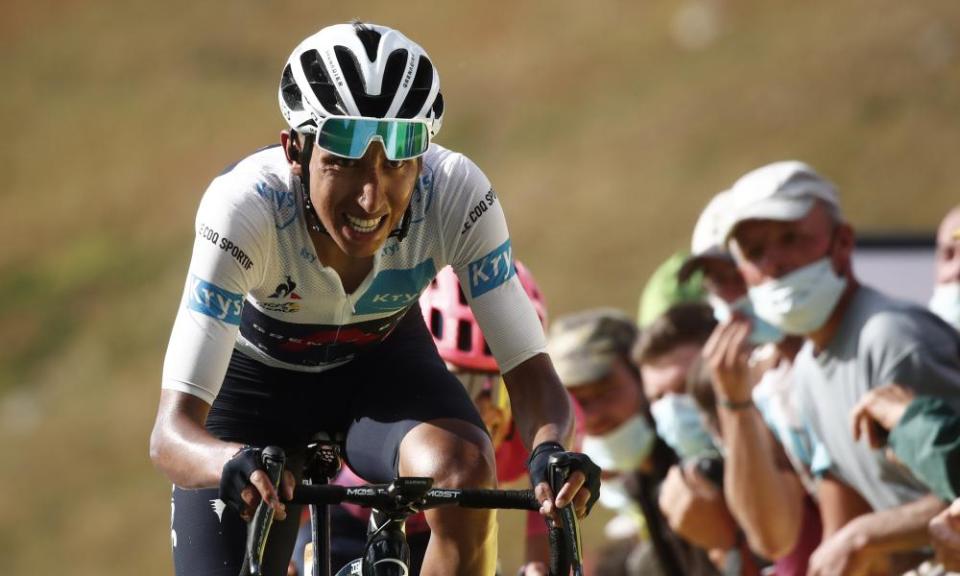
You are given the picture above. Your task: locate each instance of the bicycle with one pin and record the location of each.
(386, 551)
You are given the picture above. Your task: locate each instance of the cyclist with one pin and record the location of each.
(462, 347)
(301, 301)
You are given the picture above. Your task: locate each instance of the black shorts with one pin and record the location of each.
(374, 401)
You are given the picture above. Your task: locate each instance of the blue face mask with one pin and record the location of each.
(680, 426)
(761, 332)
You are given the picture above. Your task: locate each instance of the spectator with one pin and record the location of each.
(945, 302)
(691, 497)
(591, 353)
(664, 289)
(665, 352)
(794, 250)
(922, 431)
(925, 435)
(783, 529)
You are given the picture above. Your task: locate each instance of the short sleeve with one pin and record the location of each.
(482, 256)
(233, 230)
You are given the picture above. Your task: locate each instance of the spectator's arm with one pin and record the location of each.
(766, 501)
(945, 533)
(870, 538)
(927, 440)
(839, 504)
(695, 510)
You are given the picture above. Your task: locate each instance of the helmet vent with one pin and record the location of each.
(461, 297)
(436, 323)
(438, 106)
(319, 80)
(419, 89)
(292, 96)
(369, 37)
(486, 349)
(372, 105)
(463, 335)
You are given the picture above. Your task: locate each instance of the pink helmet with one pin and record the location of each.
(453, 326)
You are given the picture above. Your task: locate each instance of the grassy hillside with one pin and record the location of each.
(603, 130)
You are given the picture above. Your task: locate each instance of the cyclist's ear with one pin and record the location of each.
(290, 141)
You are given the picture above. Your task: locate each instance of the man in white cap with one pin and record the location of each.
(709, 256)
(794, 249)
(766, 495)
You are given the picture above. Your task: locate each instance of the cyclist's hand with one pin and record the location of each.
(260, 488)
(244, 483)
(549, 503)
(581, 488)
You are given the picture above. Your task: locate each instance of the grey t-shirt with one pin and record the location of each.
(880, 341)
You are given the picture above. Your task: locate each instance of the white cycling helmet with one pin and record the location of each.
(359, 69)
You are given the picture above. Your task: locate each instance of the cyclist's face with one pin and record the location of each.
(610, 401)
(361, 201)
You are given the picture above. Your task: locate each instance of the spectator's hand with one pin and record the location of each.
(840, 555)
(726, 352)
(533, 569)
(945, 534)
(694, 508)
(878, 412)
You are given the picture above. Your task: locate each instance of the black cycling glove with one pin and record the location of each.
(573, 461)
(537, 463)
(552, 454)
(236, 475)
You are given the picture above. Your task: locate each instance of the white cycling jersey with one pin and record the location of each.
(255, 283)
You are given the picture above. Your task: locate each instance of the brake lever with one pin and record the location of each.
(273, 461)
(558, 472)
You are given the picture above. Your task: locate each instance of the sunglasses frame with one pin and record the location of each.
(391, 122)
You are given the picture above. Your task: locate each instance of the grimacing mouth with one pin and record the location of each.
(363, 225)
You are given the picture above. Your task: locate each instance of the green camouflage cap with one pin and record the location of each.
(583, 346)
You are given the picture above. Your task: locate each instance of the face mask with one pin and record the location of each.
(624, 449)
(679, 424)
(761, 331)
(945, 303)
(800, 302)
(613, 494)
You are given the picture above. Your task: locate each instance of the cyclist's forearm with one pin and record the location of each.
(766, 501)
(540, 406)
(181, 448)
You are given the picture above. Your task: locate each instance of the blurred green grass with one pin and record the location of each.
(604, 128)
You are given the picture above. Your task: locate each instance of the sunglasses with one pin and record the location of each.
(350, 136)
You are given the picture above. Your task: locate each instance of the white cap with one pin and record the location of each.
(779, 191)
(707, 235)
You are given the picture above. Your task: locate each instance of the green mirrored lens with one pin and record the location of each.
(350, 137)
